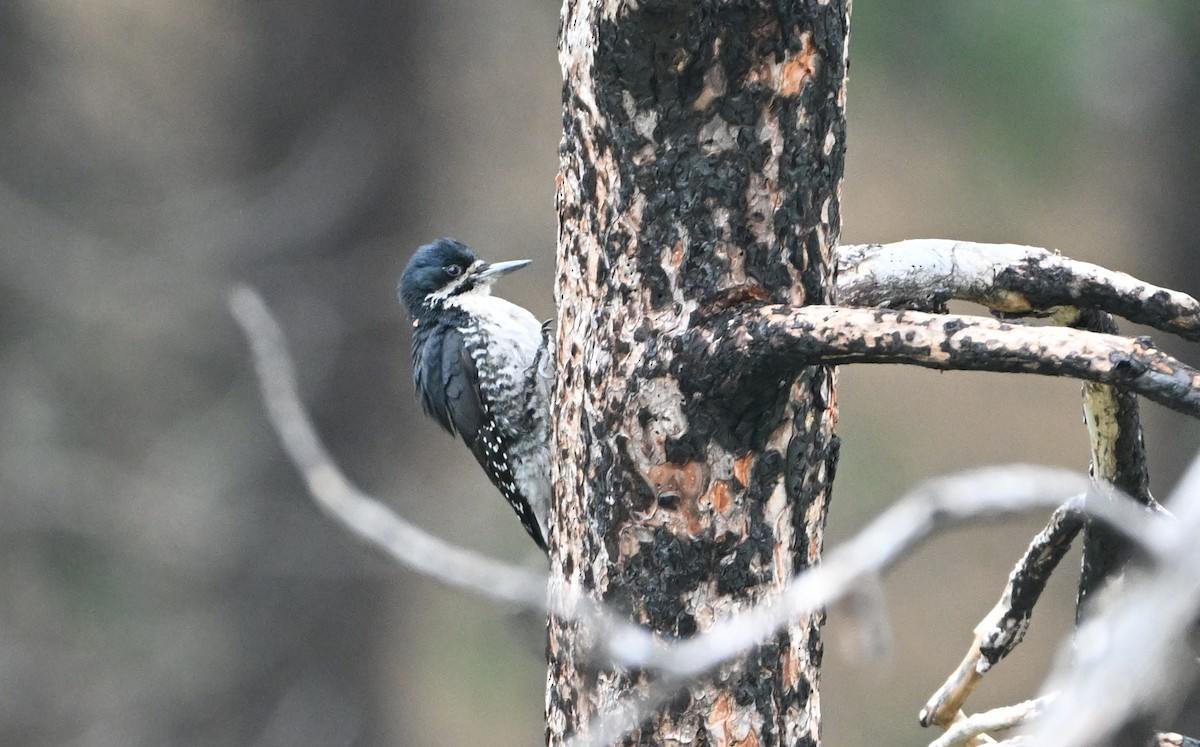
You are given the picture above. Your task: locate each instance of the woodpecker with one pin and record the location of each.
(481, 369)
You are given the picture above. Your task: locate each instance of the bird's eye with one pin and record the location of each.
(453, 270)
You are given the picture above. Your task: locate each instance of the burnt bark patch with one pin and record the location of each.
(701, 158)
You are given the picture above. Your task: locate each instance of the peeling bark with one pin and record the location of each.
(701, 162)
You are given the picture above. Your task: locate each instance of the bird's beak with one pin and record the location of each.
(490, 272)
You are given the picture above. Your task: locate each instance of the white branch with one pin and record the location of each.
(964, 732)
(1011, 278)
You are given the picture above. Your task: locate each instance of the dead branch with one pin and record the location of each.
(783, 337)
(1004, 626)
(1134, 659)
(932, 507)
(1118, 458)
(1114, 426)
(925, 273)
(966, 731)
(1026, 584)
(1022, 280)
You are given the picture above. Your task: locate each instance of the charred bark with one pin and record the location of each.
(784, 337)
(701, 163)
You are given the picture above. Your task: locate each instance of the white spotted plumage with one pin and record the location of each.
(498, 400)
(516, 438)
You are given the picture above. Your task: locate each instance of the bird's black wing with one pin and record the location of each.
(447, 379)
(460, 379)
(443, 372)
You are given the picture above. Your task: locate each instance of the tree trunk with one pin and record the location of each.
(702, 159)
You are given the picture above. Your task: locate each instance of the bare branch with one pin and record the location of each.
(1119, 459)
(789, 336)
(1004, 626)
(932, 507)
(1026, 584)
(1014, 279)
(965, 731)
(364, 516)
(924, 273)
(1134, 659)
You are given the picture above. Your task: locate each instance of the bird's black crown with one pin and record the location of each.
(432, 267)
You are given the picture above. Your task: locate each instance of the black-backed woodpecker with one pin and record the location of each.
(481, 368)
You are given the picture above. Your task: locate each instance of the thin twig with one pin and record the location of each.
(932, 507)
(1004, 718)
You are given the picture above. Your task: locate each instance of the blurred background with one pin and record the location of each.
(164, 578)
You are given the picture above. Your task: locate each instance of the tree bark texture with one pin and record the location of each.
(701, 164)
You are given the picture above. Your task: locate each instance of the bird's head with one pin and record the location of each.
(444, 269)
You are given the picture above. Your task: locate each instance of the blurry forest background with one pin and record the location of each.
(165, 579)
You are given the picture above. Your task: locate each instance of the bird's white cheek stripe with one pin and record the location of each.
(455, 286)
